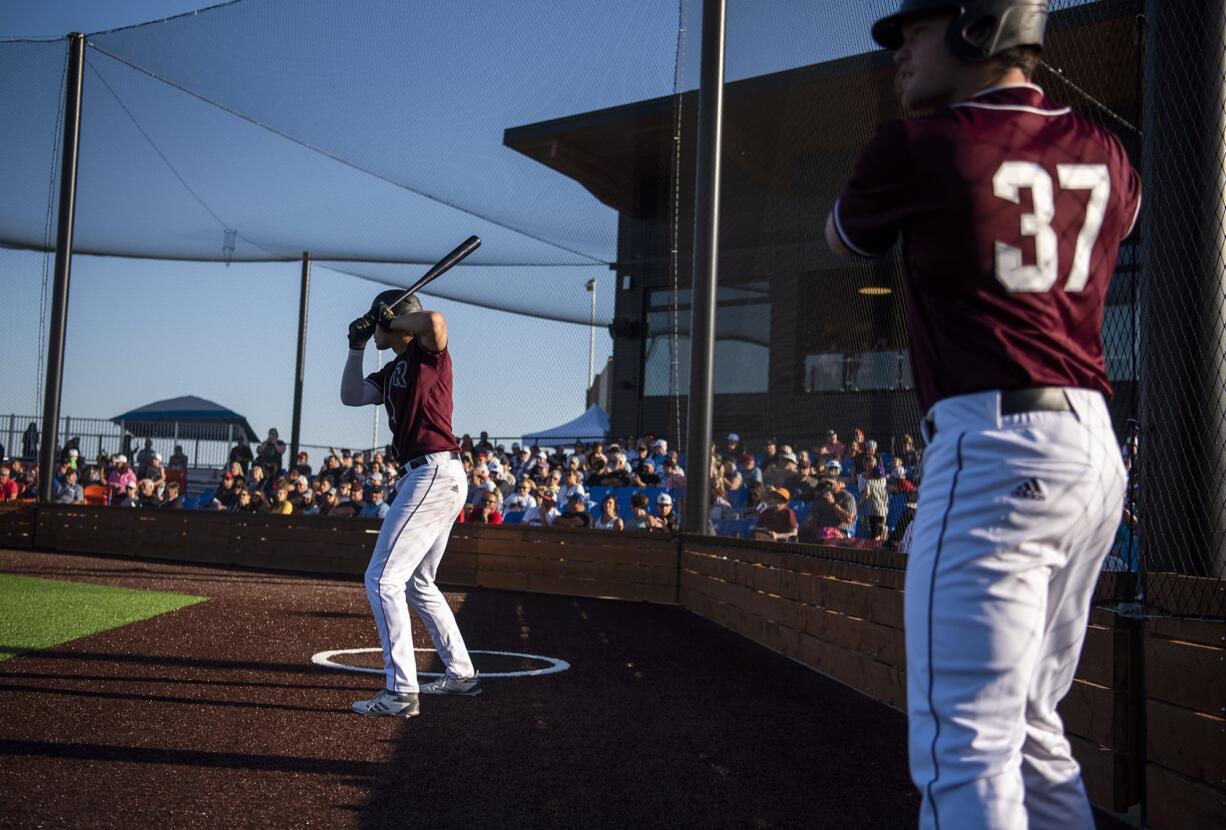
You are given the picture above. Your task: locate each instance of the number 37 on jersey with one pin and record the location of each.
(1011, 178)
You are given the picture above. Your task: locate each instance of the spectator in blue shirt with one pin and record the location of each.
(376, 508)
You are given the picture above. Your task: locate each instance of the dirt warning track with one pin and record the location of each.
(215, 715)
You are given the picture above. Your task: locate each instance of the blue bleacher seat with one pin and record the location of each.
(513, 518)
(597, 494)
(898, 502)
(203, 501)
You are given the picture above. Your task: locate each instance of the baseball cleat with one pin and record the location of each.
(391, 704)
(451, 685)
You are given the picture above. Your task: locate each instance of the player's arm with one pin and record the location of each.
(876, 201)
(430, 327)
(356, 390)
(833, 240)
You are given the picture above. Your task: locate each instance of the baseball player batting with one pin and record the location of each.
(415, 388)
(1010, 209)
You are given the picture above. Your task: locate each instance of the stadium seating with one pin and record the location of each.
(513, 518)
(98, 495)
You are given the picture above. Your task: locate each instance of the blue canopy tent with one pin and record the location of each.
(592, 425)
(195, 417)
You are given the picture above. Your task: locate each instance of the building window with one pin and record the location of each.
(742, 342)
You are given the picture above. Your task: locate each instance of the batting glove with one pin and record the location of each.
(361, 330)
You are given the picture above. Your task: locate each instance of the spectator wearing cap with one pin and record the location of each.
(672, 477)
(145, 455)
(732, 477)
(875, 499)
(120, 477)
(618, 475)
(154, 469)
(639, 518)
(543, 514)
(226, 492)
(899, 483)
(9, 486)
(67, 490)
(659, 452)
(770, 455)
(301, 486)
(749, 469)
(147, 496)
(178, 459)
(777, 522)
(665, 520)
(832, 507)
(646, 476)
(867, 458)
(608, 518)
(309, 505)
(127, 497)
(576, 515)
(732, 447)
(377, 507)
(521, 460)
(803, 486)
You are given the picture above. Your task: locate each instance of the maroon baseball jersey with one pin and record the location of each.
(1011, 210)
(416, 389)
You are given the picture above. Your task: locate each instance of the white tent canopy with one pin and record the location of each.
(592, 425)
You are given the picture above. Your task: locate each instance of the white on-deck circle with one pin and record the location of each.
(324, 658)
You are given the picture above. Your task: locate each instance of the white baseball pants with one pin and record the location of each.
(1015, 517)
(402, 570)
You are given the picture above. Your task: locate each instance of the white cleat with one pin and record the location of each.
(390, 704)
(451, 685)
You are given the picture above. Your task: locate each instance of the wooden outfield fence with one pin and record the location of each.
(838, 610)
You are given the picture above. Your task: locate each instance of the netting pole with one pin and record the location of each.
(706, 266)
(304, 295)
(1183, 335)
(63, 264)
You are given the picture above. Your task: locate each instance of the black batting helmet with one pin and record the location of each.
(406, 306)
(981, 29)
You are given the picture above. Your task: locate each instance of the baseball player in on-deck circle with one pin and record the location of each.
(415, 388)
(1010, 209)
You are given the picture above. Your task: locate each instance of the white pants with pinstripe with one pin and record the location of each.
(1015, 517)
(402, 569)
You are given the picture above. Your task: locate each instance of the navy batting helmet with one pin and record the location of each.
(407, 305)
(981, 29)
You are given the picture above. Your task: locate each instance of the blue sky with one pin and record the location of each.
(142, 330)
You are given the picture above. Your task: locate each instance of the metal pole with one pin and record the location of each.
(304, 298)
(591, 343)
(374, 411)
(74, 82)
(1183, 319)
(706, 251)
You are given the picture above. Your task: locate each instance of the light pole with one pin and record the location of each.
(590, 285)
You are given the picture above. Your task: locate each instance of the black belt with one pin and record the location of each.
(1021, 401)
(421, 459)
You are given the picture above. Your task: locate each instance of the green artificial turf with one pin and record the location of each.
(40, 613)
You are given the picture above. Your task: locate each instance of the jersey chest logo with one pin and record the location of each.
(400, 376)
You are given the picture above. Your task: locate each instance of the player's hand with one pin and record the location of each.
(383, 316)
(361, 330)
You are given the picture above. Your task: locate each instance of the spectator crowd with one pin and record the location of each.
(827, 492)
